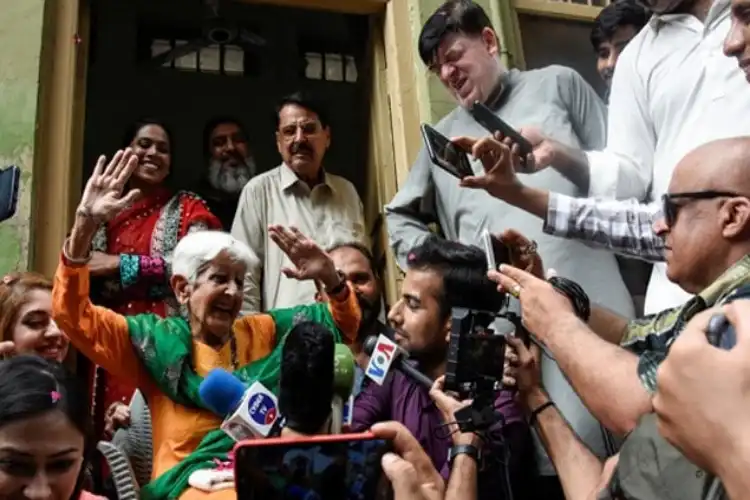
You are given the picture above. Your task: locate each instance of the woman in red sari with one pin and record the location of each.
(132, 252)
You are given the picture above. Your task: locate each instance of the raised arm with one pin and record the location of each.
(102, 335)
(98, 333)
(248, 227)
(625, 227)
(312, 263)
(595, 366)
(261, 329)
(413, 207)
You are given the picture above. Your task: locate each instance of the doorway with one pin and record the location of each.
(389, 105)
(288, 49)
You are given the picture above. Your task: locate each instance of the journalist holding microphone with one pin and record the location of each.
(168, 358)
(442, 275)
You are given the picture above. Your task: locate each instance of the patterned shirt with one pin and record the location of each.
(623, 226)
(651, 337)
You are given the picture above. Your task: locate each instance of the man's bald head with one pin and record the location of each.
(706, 222)
(722, 165)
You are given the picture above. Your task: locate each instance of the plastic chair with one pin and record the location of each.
(130, 453)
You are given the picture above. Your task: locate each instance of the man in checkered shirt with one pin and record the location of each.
(702, 231)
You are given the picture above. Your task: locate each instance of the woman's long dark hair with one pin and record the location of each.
(26, 387)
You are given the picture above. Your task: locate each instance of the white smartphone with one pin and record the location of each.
(489, 250)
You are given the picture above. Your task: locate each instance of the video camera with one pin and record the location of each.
(476, 354)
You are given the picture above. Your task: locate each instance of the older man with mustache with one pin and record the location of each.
(298, 193)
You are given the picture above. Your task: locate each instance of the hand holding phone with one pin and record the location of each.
(489, 120)
(496, 251)
(445, 154)
(10, 180)
(338, 466)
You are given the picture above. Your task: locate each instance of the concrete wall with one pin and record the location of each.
(21, 40)
(557, 41)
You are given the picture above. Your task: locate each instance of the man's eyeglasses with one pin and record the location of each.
(670, 205)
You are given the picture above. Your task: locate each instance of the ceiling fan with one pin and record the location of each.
(217, 30)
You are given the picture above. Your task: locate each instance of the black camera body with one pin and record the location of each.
(475, 354)
(474, 365)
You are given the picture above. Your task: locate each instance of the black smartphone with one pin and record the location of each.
(489, 120)
(10, 180)
(445, 154)
(331, 467)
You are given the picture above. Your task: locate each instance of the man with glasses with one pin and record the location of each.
(298, 193)
(704, 226)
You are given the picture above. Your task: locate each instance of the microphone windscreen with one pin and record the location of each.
(369, 344)
(343, 371)
(221, 392)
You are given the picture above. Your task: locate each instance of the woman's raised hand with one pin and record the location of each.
(102, 197)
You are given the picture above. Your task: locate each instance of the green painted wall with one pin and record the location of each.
(20, 39)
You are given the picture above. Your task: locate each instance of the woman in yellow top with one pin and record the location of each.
(168, 358)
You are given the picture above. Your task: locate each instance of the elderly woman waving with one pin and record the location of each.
(168, 358)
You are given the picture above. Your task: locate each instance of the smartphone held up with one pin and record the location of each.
(446, 155)
(10, 181)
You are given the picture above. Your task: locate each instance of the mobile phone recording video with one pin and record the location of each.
(331, 467)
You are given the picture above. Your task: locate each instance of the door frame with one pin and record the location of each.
(57, 167)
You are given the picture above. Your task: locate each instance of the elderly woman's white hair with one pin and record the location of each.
(197, 249)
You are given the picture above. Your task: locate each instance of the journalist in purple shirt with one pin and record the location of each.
(402, 400)
(442, 275)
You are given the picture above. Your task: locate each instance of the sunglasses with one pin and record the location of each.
(670, 207)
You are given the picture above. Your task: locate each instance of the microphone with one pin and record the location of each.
(343, 383)
(308, 379)
(249, 412)
(385, 353)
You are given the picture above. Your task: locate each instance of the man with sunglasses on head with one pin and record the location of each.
(704, 228)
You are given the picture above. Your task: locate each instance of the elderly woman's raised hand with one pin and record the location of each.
(102, 197)
(311, 262)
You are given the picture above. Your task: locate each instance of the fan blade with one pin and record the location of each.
(248, 36)
(178, 52)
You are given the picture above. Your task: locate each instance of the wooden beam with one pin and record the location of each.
(562, 10)
(56, 174)
(402, 87)
(381, 166)
(346, 6)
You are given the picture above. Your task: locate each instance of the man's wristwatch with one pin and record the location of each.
(464, 449)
